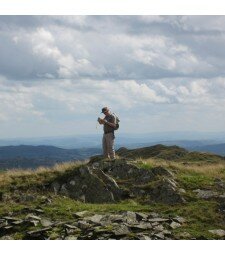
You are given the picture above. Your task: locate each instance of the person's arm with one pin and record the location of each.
(111, 124)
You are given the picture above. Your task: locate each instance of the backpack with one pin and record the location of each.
(117, 121)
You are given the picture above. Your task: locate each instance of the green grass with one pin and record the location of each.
(201, 215)
(191, 181)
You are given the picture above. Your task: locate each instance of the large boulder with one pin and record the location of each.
(88, 187)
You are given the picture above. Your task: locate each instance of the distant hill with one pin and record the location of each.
(214, 148)
(25, 156)
(168, 153)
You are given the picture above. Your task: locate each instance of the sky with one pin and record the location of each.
(157, 73)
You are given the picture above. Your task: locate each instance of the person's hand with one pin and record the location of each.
(101, 121)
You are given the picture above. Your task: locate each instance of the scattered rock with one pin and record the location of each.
(141, 216)
(158, 220)
(96, 219)
(179, 220)
(80, 214)
(165, 191)
(71, 238)
(174, 225)
(38, 232)
(206, 194)
(218, 232)
(184, 235)
(130, 217)
(46, 222)
(32, 217)
(121, 230)
(159, 235)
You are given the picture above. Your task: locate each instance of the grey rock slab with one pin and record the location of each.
(71, 238)
(96, 219)
(218, 232)
(80, 214)
(121, 230)
(115, 218)
(32, 217)
(174, 225)
(38, 211)
(70, 226)
(32, 222)
(83, 225)
(179, 219)
(46, 222)
(158, 220)
(184, 235)
(7, 237)
(18, 222)
(39, 231)
(206, 194)
(141, 216)
(130, 217)
(141, 226)
(143, 237)
(10, 219)
(159, 235)
(159, 228)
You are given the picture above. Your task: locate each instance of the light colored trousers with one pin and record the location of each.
(108, 145)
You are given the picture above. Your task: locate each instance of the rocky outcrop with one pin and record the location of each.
(89, 186)
(112, 181)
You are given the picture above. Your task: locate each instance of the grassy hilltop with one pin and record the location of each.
(200, 178)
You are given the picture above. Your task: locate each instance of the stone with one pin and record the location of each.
(174, 225)
(158, 220)
(115, 218)
(184, 235)
(206, 194)
(6, 237)
(18, 222)
(159, 235)
(218, 232)
(70, 226)
(220, 184)
(32, 217)
(38, 232)
(37, 210)
(80, 214)
(88, 188)
(143, 237)
(159, 228)
(130, 217)
(96, 219)
(141, 216)
(165, 191)
(141, 226)
(71, 237)
(10, 219)
(83, 225)
(32, 222)
(179, 219)
(121, 230)
(46, 222)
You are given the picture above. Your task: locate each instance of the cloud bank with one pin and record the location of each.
(159, 73)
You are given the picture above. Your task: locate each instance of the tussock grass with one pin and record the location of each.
(20, 177)
(216, 170)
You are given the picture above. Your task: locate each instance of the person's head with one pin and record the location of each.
(105, 110)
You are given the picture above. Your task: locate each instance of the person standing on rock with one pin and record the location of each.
(110, 125)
